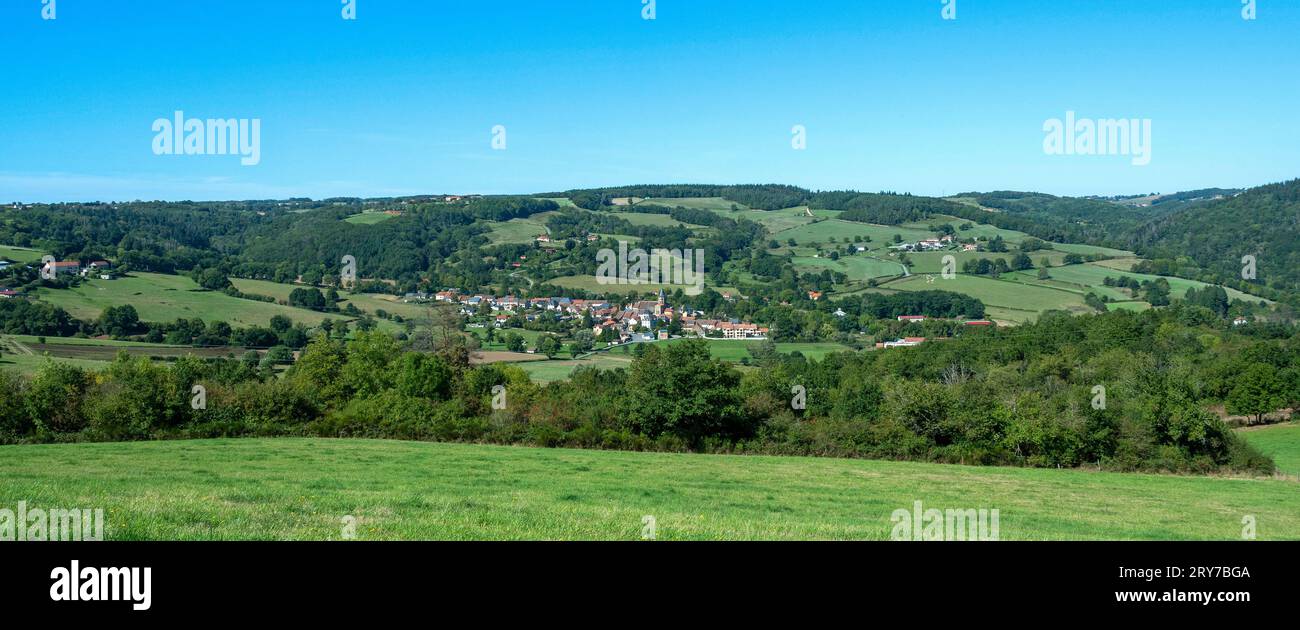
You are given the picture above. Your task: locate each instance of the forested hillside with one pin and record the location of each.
(1208, 240)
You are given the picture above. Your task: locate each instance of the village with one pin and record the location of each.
(644, 320)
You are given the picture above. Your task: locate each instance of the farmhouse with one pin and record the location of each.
(65, 266)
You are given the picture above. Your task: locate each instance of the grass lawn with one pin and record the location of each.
(368, 218)
(303, 488)
(1281, 441)
(164, 298)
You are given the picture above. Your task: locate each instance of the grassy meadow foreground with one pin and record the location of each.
(302, 489)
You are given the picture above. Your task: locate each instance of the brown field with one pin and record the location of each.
(498, 356)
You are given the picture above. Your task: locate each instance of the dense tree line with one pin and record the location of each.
(928, 303)
(1024, 397)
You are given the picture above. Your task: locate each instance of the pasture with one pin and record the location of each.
(844, 231)
(369, 218)
(1279, 441)
(165, 298)
(302, 489)
(1012, 296)
(20, 254)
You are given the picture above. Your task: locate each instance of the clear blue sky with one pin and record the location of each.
(403, 99)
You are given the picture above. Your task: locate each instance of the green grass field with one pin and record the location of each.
(1093, 275)
(976, 231)
(518, 231)
(1005, 294)
(550, 371)
(369, 302)
(303, 488)
(737, 349)
(659, 220)
(29, 363)
(564, 202)
(1281, 441)
(932, 262)
(699, 203)
(843, 232)
(773, 220)
(857, 268)
(164, 298)
(725, 349)
(20, 254)
(368, 218)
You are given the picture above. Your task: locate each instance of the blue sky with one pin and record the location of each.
(403, 99)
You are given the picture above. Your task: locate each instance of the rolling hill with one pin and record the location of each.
(1263, 222)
